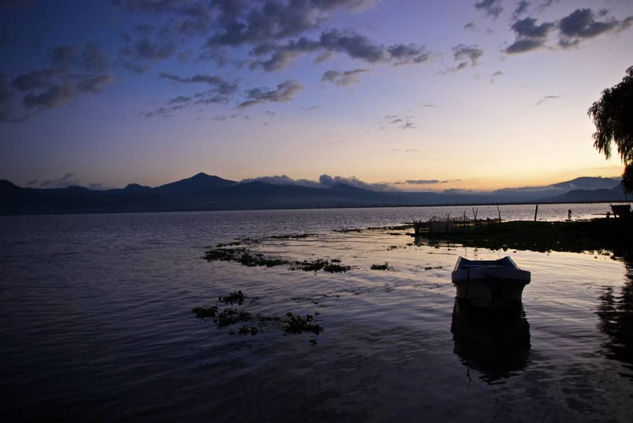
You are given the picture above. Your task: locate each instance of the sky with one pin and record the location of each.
(412, 95)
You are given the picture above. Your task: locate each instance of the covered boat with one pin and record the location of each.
(489, 283)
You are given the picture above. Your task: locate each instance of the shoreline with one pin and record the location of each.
(595, 235)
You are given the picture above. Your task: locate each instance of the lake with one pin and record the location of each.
(97, 322)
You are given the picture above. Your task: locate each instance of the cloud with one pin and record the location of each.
(220, 92)
(90, 58)
(95, 84)
(343, 78)
(352, 44)
(325, 181)
(403, 122)
(582, 24)
(274, 33)
(329, 181)
(546, 4)
(360, 47)
(219, 84)
(490, 7)
(423, 182)
(470, 26)
(68, 180)
(7, 98)
(283, 92)
(495, 75)
(72, 70)
(521, 8)
(573, 28)
(465, 54)
(527, 28)
(254, 23)
(530, 36)
(547, 98)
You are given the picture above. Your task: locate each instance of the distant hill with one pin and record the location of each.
(208, 192)
(584, 195)
(541, 193)
(198, 182)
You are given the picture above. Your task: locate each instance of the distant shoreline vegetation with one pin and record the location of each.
(600, 236)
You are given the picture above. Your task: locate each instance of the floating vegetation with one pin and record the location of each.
(242, 256)
(298, 324)
(229, 316)
(346, 230)
(233, 297)
(203, 313)
(245, 330)
(433, 267)
(251, 259)
(380, 266)
(320, 264)
(229, 244)
(252, 324)
(292, 236)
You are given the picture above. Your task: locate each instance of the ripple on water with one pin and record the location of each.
(97, 321)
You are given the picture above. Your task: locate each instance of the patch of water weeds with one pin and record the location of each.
(292, 236)
(233, 297)
(249, 258)
(384, 266)
(319, 264)
(252, 324)
(298, 324)
(243, 256)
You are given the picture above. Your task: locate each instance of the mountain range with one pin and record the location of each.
(208, 192)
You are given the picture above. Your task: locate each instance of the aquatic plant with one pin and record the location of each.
(249, 258)
(320, 264)
(380, 266)
(229, 316)
(242, 256)
(245, 330)
(233, 297)
(298, 324)
(203, 313)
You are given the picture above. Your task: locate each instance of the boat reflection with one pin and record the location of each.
(494, 342)
(616, 320)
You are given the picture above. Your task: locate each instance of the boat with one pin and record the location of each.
(489, 283)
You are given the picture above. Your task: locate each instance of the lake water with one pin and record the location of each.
(96, 323)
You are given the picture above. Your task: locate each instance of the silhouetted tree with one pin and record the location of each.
(613, 117)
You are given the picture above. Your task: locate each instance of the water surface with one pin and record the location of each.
(97, 323)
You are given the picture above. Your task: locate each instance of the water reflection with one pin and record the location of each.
(616, 320)
(497, 344)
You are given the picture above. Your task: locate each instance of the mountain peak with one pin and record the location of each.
(198, 182)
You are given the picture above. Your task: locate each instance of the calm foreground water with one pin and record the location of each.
(96, 323)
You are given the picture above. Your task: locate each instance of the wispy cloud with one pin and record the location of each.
(490, 7)
(343, 78)
(530, 36)
(401, 121)
(547, 98)
(325, 181)
(466, 55)
(283, 92)
(72, 71)
(583, 24)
